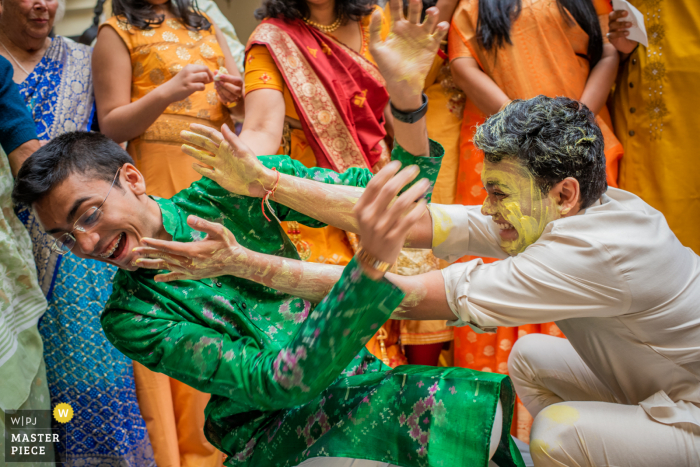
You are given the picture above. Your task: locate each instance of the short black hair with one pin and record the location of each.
(74, 152)
(298, 9)
(554, 138)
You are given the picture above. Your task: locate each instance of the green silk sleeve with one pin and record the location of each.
(237, 367)
(429, 167)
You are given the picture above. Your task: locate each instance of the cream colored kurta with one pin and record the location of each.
(618, 283)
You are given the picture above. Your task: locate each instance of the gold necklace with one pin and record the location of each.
(325, 29)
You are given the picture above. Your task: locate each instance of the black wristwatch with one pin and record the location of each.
(410, 117)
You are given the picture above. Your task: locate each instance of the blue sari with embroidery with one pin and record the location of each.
(83, 368)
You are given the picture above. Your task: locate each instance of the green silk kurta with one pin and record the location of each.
(290, 380)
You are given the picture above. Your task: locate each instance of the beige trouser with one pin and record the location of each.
(578, 422)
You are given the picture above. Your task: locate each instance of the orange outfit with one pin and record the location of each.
(547, 57)
(173, 411)
(157, 55)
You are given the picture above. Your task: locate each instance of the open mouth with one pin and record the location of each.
(504, 226)
(116, 249)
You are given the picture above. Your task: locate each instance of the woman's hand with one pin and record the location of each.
(233, 165)
(216, 255)
(229, 88)
(384, 220)
(405, 57)
(189, 80)
(618, 32)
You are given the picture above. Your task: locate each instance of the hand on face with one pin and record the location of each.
(190, 79)
(233, 165)
(618, 32)
(383, 226)
(405, 57)
(209, 257)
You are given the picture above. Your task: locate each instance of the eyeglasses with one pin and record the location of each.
(85, 223)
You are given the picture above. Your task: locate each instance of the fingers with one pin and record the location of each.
(394, 186)
(198, 154)
(376, 184)
(619, 26)
(207, 131)
(396, 8)
(199, 140)
(225, 95)
(150, 263)
(204, 171)
(404, 225)
(441, 31)
(202, 77)
(173, 252)
(172, 276)
(403, 205)
(617, 14)
(212, 229)
(238, 146)
(415, 8)
(375, 28)
(230, 79)
(431, 19)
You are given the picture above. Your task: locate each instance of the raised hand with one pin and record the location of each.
(233, 165)
(217, 254)
(405, 57)
(618, 32)
(190, 79)
(384, 220)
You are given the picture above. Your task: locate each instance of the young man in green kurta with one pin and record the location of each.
(289, 380)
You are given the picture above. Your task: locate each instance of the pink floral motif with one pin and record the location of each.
(289, 315)
(288, 362)
(319, 417)
(422, 406)
(453, 390)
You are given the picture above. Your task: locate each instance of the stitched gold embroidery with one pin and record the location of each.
(181, 106)
(324, 120)
(173, 23)
(195, 35)
(312, 51)
(138, 69)
(206, 51)
(157, 77)
(148, 32)
(211, 98)
(359, 99)
(655, 69)
(170, 37)
(183, 54)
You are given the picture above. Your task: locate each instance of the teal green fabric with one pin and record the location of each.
(290, 380)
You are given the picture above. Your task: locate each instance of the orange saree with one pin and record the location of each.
(547, 56)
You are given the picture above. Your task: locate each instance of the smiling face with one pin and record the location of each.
(27, 19)
(128, 215)
(516, 204)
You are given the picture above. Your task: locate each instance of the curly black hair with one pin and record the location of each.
(554, 138)
(353, 10)
(142, 15)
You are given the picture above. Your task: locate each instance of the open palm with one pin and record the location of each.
(406, 56)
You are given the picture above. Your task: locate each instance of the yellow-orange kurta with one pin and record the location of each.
(547, 56)
(655, 105)
(174, 412)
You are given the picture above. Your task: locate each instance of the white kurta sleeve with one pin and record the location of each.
(462, 230)
(558, 277)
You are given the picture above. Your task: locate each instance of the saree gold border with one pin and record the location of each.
(313, 98)
(366, 65)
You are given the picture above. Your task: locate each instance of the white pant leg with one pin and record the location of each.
(546, 370)
(601, 434)
(349, 462)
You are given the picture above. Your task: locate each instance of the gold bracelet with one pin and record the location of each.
(231, 105)
(369, 260)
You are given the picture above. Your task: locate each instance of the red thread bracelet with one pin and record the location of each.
(269, 193)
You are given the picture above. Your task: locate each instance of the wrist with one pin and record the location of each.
(406, 103)
(373, 267)
(268, 181)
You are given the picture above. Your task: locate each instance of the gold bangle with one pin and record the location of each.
(231, 105)
(366, 258)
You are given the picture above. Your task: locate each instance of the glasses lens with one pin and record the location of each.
(88, 220)
(64, 244)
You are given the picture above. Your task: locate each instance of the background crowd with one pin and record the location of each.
(150, 68)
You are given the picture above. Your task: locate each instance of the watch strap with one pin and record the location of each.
(410, 117)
